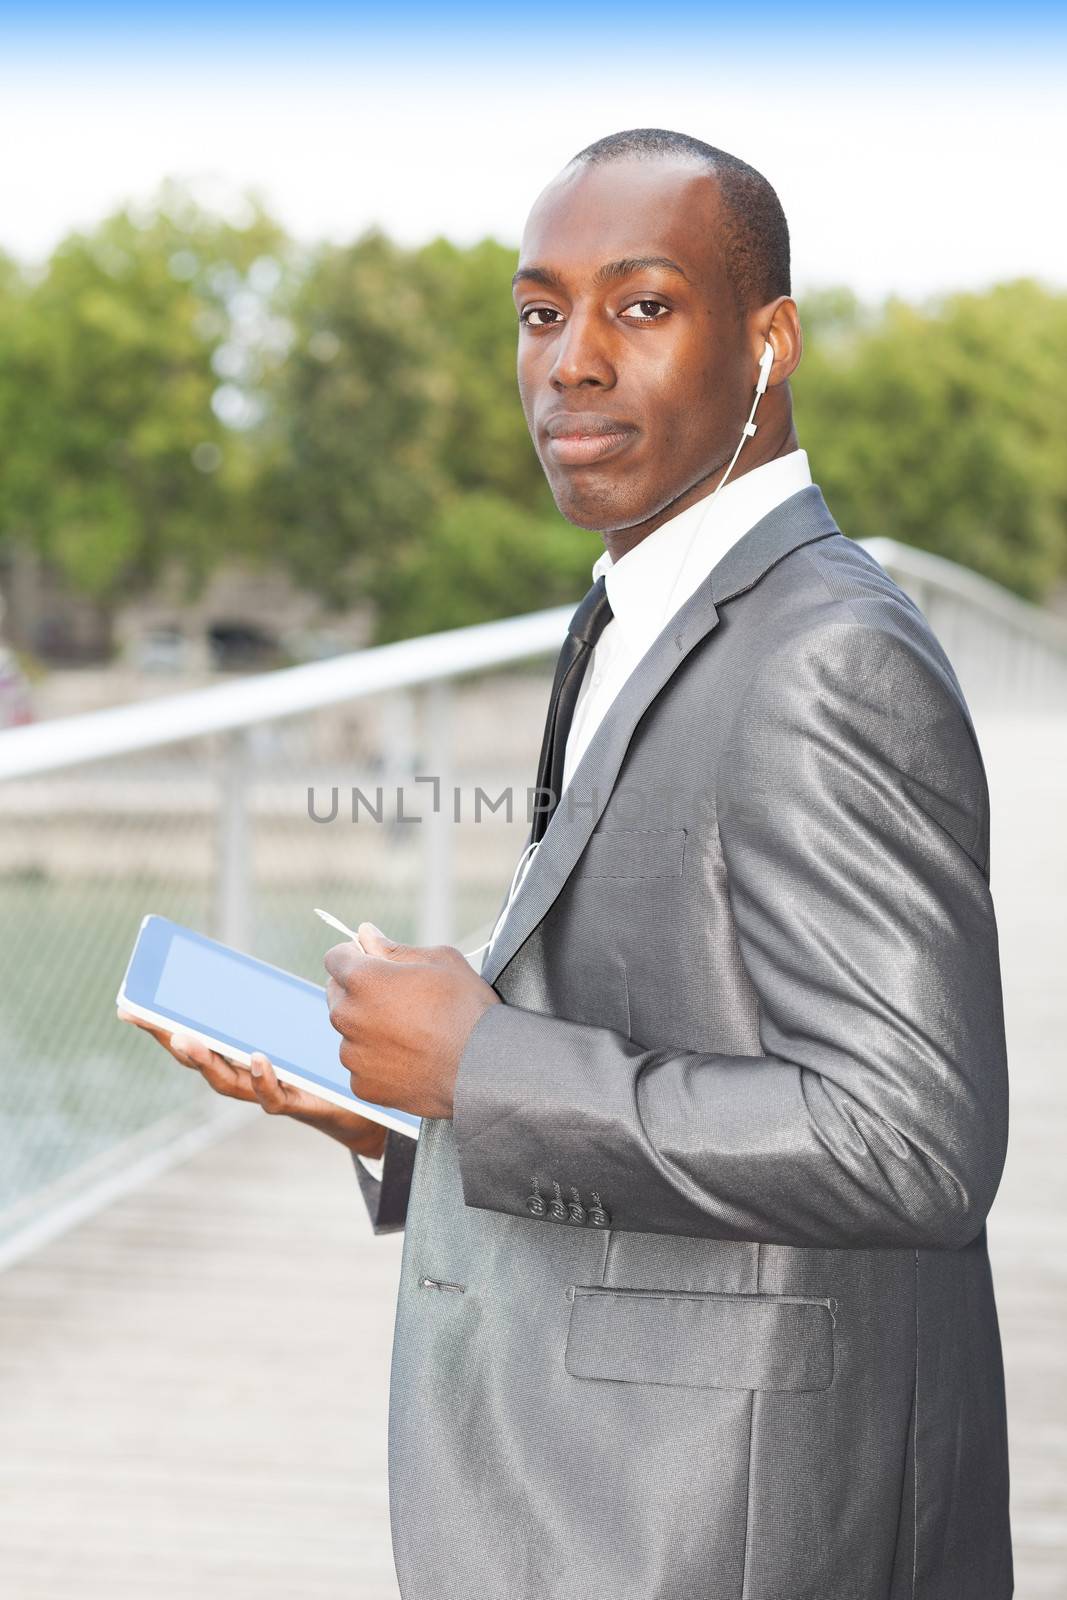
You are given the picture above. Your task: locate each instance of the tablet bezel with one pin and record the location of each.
(143, 971)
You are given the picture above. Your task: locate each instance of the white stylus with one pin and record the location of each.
(335, 922)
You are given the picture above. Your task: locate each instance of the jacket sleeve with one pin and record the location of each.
(386, 1198)
(853, 818)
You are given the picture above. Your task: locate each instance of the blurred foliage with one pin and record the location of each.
(483, 557)
(115, 450)
(944, 426)
(470, 328)
(354, 422)
(394, 415)
(176, 388)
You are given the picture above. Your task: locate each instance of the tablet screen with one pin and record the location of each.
(254, 1002)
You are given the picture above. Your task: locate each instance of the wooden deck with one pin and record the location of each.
(160, 1441)
(159, 1437)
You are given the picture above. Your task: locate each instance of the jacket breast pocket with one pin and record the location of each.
(701, 1340)
(634, 853)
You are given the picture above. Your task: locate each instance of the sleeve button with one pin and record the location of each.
(599, 1217)
(535, 1205)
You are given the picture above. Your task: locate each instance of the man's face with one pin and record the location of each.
(634, 367)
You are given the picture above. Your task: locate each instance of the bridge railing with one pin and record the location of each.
(1007, 653)
(370, 784)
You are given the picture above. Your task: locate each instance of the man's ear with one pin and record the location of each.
(778, 323)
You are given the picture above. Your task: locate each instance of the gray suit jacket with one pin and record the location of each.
(753, 1032)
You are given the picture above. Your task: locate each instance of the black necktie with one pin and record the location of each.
(585, 628)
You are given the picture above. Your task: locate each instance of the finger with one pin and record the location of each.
(225, 1077)
(183, 1048)
(352, 1059)
(186, 1050)
(195, 1050)
(339, 1009)
(272, 1094)
(377, 943)
(276, 1096)
(145, 1027)
(342, 959)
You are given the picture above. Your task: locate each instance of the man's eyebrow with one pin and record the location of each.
(613, 270)
(542, 275)
(610, 272)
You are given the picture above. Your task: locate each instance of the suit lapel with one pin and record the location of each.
(799, 520)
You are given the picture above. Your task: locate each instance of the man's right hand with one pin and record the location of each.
(262, 1084)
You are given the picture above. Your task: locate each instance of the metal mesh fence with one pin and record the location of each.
(239, 836)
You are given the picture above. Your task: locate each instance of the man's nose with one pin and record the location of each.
(581, 353)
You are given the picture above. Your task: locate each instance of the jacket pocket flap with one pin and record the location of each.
(634, 853)
(703, 1340)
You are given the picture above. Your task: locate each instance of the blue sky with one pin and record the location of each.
(957, 25)
(914, 149)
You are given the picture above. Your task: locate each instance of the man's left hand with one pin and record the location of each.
(404, 1015)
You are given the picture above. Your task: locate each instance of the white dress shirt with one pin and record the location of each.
(647, 586)
(652, 581)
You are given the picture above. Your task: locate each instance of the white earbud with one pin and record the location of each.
(766, 362)
(517, 878)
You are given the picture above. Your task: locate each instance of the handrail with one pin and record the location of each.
(963, 583)
(269, 696)
(285, 692)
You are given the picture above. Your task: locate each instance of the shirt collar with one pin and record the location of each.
(648, 584)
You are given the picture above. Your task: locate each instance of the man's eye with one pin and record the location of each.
(527, 317)
(649, 310)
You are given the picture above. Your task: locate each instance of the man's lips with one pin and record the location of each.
(577, 438)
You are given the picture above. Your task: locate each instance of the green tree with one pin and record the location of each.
(471, 328)
(176, 387)
(398, 466)
(351, 446)
(483, 557)
(118, 452)
(942, 425)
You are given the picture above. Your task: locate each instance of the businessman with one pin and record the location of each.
(695, 1298)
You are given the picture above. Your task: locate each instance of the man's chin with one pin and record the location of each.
(597, 512)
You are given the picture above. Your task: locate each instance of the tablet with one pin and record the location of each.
(177, 978)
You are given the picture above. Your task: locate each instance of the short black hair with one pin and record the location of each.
(755, 238)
